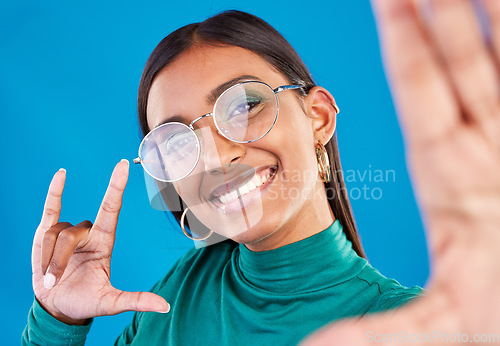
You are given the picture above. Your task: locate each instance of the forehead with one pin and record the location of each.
(182, 87)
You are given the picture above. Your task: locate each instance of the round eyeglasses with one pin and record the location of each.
(244, 113)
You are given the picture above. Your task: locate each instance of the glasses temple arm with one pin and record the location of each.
(287, 87)
(291, 87)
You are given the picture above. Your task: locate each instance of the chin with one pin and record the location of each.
(259, 232)
(250, 237)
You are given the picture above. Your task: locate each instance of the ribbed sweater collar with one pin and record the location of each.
(319, 261)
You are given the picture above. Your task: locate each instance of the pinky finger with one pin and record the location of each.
(52, 206)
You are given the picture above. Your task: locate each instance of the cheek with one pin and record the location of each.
(188, 189)
(294, 141)
(299, 173)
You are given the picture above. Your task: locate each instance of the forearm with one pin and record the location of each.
(43, 329)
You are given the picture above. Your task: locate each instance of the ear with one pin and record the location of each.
(322, 109)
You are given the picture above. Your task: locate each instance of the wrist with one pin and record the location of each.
(63, 318)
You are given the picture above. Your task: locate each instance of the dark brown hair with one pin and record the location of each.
(236, 28)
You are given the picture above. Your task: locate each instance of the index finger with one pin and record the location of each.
(107, 217)
(52, 207)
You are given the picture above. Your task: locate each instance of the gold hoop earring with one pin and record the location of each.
(337, 109)
(187, 234)
(323, 163)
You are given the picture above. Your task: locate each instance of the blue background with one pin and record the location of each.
(69, 74)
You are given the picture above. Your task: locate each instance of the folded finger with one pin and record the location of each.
(426, 104)
(49, 242)
(459, 41)
(68, 240)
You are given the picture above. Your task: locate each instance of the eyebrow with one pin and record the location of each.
(215, 93)
(212, 96)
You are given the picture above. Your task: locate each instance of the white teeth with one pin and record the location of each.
(233, 195)
(250, 185)
(244, 189)
(257, 180)
(254, 183)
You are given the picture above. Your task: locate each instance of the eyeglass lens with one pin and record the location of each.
(246, 112)
(243, 113)
(170, 152)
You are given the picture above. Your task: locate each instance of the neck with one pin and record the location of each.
(293, 269)
(314, 216)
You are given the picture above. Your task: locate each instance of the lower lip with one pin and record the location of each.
(245, 200)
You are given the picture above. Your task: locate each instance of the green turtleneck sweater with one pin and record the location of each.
(225, 294)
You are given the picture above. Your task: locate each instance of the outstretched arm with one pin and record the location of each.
(445, 82)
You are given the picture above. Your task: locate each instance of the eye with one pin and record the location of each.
(179, 145)
(244, 110)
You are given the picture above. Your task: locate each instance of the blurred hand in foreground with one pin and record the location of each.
(445, 81)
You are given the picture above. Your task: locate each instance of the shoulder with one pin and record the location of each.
(391, 294)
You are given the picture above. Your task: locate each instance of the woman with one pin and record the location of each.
(294, 269)
(255, 290)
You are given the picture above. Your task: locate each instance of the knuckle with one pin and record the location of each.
(415, 69)
(67, 236)
(115, 187)
(119, 298)
(88, 222)
(462, 57)
(53, 194)
(110, 208)
(137, 302)
(50, 212)
(462, 51)
(85, 223)
(53, 231)
(399, 10)
(50, 236)
(63, 225)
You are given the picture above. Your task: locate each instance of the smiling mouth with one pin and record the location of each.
(240, 196)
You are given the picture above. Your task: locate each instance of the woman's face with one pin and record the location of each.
(274, 179)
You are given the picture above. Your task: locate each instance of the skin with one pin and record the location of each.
(445, 83)
(76, 259)
(201, 69)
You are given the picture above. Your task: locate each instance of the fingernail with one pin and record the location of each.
(124, 160)
(49, 280)
(62, 170)
(165, 311)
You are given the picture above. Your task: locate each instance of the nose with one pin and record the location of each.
(218, 154)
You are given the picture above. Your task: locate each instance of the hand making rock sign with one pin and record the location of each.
(71, 264)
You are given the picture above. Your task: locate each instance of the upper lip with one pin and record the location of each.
(236, 181)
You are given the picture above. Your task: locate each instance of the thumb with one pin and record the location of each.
(121, 301)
